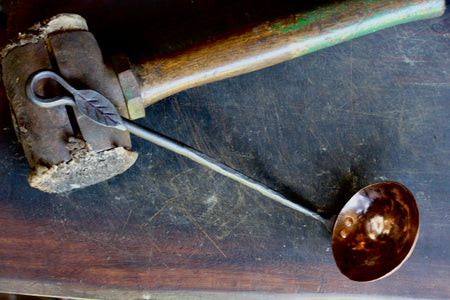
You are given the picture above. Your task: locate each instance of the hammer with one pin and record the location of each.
(66, 149)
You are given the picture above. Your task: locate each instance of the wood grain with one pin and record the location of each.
(315, 128)
(273, 42)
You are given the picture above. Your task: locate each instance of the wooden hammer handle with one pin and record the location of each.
(273, 42)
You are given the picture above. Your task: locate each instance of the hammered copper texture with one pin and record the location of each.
(375, 231)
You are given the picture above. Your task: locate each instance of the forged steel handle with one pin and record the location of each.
(100, 110)
(273, 42)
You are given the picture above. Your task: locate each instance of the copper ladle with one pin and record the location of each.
(374, 233)
(372, 236)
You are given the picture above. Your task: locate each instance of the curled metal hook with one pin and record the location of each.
(92, 104)
(48, 102)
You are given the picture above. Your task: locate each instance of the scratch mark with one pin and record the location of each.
(434, 84)
(63, 220)
(258, 202)
(411, 62)
(387, 116)
(277, 116)
(194, 221)
(153, 242)
(158, 212)
(128, 219)
(168, 201)
(172, 180)
(400, 122)
(320, 288)
(352, 98)
(324, 143)
(109, 245)
(232, 229)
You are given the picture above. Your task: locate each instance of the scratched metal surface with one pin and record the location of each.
(316, 128)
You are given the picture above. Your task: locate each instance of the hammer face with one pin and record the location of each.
(83, 169)
(66, 151)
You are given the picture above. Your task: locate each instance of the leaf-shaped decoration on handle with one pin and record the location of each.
(98, 108)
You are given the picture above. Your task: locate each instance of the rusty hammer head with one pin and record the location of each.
(64, 148)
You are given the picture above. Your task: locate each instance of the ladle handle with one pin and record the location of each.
(273, 42)
(100, 110)
(216, 166)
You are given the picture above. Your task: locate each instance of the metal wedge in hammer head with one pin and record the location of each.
(65, 149)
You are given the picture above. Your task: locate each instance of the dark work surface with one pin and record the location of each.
(316, 128)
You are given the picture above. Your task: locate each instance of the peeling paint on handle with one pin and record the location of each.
(310, 18)
(313, 18)
(341, 31)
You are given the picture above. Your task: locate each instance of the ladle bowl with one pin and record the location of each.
(376, 231)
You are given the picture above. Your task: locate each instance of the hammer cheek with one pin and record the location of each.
(82, 171)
